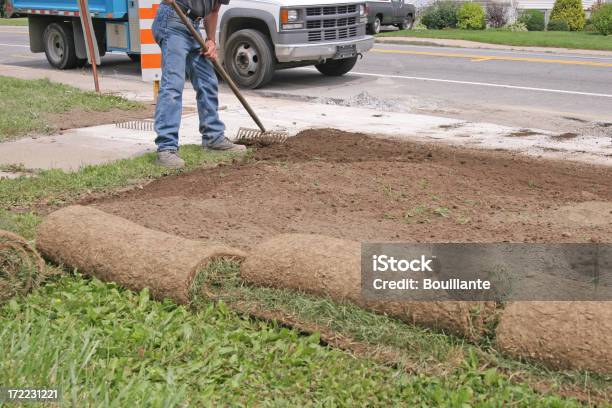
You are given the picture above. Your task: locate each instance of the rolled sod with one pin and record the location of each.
(21, 267)
(331, 267)
(114, 249)
(574, 335)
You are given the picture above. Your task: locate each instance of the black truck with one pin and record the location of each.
(389, 12)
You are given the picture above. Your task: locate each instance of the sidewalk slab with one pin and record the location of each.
(99, 144)
(474, 44)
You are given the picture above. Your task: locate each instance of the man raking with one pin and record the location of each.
(182, 56)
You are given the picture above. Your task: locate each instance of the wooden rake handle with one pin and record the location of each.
(216, 64)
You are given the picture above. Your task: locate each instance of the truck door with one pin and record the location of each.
(398, 6)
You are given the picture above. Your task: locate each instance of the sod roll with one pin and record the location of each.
(21, 267)
(574, 335)
(114, 249)
(331, 267)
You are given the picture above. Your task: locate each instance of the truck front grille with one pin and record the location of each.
(333, 22)
(329, 10)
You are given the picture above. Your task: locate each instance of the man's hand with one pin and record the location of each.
(211, 50)
(210, 24)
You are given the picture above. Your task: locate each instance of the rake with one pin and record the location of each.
(245, 136)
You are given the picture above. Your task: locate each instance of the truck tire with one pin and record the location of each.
(59, 46)
(406, 24)
(249, 59)
(374, 27)
(336, 67)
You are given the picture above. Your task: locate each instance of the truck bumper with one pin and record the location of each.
(318, 51)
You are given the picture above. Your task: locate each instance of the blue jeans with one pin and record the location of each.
(180, 58)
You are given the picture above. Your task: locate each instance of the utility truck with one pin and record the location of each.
(256, 37)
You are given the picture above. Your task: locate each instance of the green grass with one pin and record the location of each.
(25, 103)
(56, 187)
(14, 21)
(420, 349)
(104, 346)
(578, 40)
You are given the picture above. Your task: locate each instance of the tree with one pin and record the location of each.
(571, 12)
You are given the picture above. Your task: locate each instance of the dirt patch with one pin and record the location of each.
(523, 133)
(453, 126)
(352, 186)
(77, 118)
(565, 136)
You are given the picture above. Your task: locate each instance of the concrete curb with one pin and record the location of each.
(473, 44)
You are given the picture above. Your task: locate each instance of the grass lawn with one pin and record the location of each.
(105, 346)
(561, 39)
(57, 187)
(14, 21)
(25, 103)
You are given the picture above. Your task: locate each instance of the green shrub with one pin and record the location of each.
(441, 14)
(602, 19)
(516, 27)
(419, 26)
(471, 16)
(569, 11)
(558, 25)
(533, 20)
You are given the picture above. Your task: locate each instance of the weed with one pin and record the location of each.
(442, 211)
(532, 184)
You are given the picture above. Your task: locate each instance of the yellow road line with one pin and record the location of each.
(478, 58)
(13, 32)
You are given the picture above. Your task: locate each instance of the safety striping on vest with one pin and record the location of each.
(150, 53)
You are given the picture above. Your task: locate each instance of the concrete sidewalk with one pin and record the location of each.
(98, 144)
(474, 44)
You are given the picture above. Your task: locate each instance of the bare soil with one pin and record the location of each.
(77, 118)
(354, 186)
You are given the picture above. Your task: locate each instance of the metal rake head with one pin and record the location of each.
(255, 137)
(146, 125)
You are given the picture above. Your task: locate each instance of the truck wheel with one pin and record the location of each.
(406, 24)
(59, 46)
(249, 59)
(374, 27)
(336, 67)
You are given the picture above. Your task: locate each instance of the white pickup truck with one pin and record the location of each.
(257, 37)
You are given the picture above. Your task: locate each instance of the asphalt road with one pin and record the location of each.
(551, 91)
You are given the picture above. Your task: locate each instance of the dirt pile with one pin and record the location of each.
(356, 187)
(114, 249)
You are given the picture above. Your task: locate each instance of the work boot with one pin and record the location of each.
(169, 159)
(226, 145)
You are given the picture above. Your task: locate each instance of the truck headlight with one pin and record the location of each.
(363, 10)
(290, 19)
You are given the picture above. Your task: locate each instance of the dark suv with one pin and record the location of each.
(390, 12)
